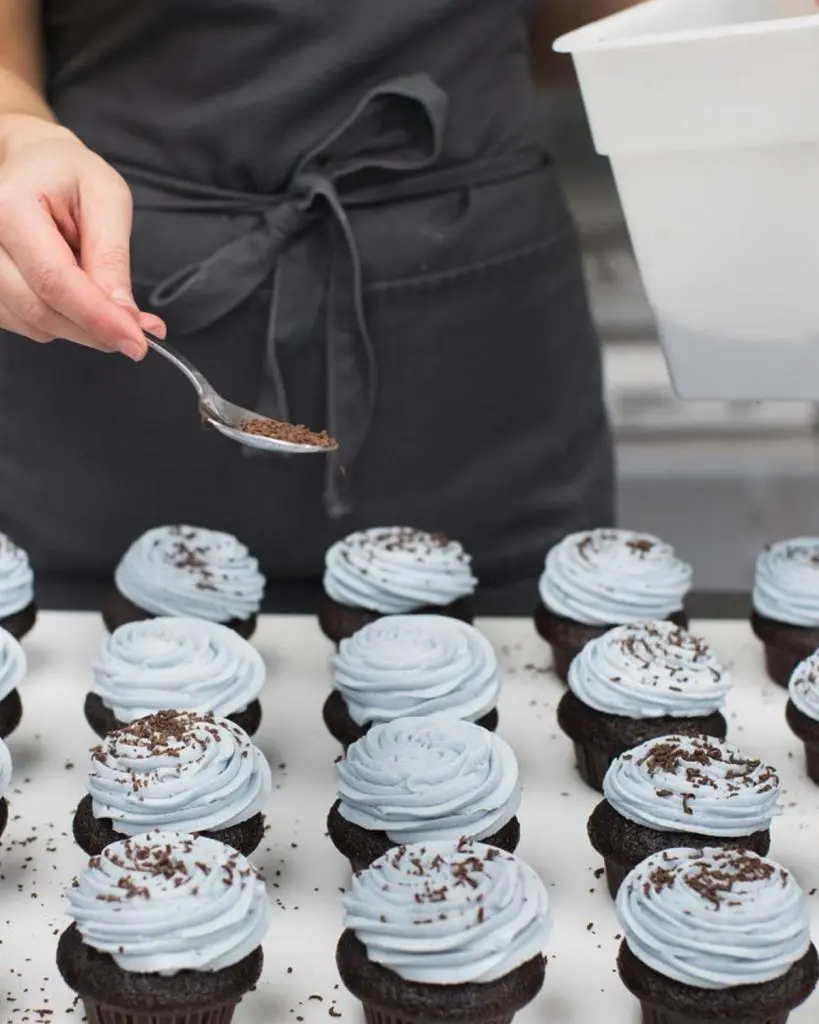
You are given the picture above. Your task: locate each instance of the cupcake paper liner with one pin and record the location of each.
(657, 1015)
(99, 1013)
(374, 1014)
(592, 764)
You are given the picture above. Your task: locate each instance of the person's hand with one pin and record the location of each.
(65, 226)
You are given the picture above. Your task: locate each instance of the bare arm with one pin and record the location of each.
(21, 65)
(65, 214)
(555, 17)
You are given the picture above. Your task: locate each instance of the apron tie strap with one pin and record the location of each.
(397, 128)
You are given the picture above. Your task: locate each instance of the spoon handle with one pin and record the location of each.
(199, 381)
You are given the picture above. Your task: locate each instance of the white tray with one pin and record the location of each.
(304, 872)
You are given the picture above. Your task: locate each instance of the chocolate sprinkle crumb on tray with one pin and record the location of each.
(292, 433)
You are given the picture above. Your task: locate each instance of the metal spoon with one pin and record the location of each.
(228, 418)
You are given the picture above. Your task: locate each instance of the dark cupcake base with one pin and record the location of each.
(92, 834)
(568, 638)
(807, 730)
(668, 1002)
(342, 727)
(102, 719)
(4, 814)
(198, 996)
(623, 844)
(361, 846)
(785, 646)
(21, 622)
(118, 611)
(388, 999)
(338, 621)
(599, 738)
(11, 713)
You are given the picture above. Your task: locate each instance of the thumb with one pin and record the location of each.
(106, 212)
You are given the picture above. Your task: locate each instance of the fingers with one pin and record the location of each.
(31, 239)
(24, 313)
(106, 212)
(153, 325)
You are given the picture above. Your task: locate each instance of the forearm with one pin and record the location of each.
(553, 19)
(21, 66)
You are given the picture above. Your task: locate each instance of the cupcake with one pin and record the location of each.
(186, 571)
(5, 783)
(416, 780)
(18, 611)
(444, 931)
(411, 665)
(599, 579)
(167, 929)
(785, 615)
(184, 664)
(681, 791)
(13, 669)
(715, 935)
(175, 771)
(636, 683)
(802, 711)
(393, 571)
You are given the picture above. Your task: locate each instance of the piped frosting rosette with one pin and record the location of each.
(179, 663)
(407, 665)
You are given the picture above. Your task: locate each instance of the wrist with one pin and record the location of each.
(19, 129)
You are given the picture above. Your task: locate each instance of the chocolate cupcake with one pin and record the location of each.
(785, 615)
(13, 668)
(167, 929)
(410, 665)
(187, 571)
(18, 610)
(444, 931)
(715, 935)
(599, 579)
(635, 683)
(681, 791)
(393, 571)
(184, 664)
(802, 711)
(417, 780)
(5, 784)
(182, 771)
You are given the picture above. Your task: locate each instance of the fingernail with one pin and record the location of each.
(153, 324)
(123, 297)
(132, 349)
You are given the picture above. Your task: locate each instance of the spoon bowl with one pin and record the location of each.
(232, 420)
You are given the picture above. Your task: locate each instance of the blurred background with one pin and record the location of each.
(717, 479)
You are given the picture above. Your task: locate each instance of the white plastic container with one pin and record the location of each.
(709, 112)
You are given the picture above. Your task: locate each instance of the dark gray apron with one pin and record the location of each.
(346, 215)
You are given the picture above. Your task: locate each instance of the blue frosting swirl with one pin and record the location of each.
(699, 785)
(166, 902)
(803, 688)
(429, 778)
(394, 570)
(416, 665)
(13, 663)
(190, 571)
(714, 918)
(447, 913)
(5, 769)
(610, 577)
(786, 586)
(648, 670)
(185, 664)
(16, 578)
(178, 770)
